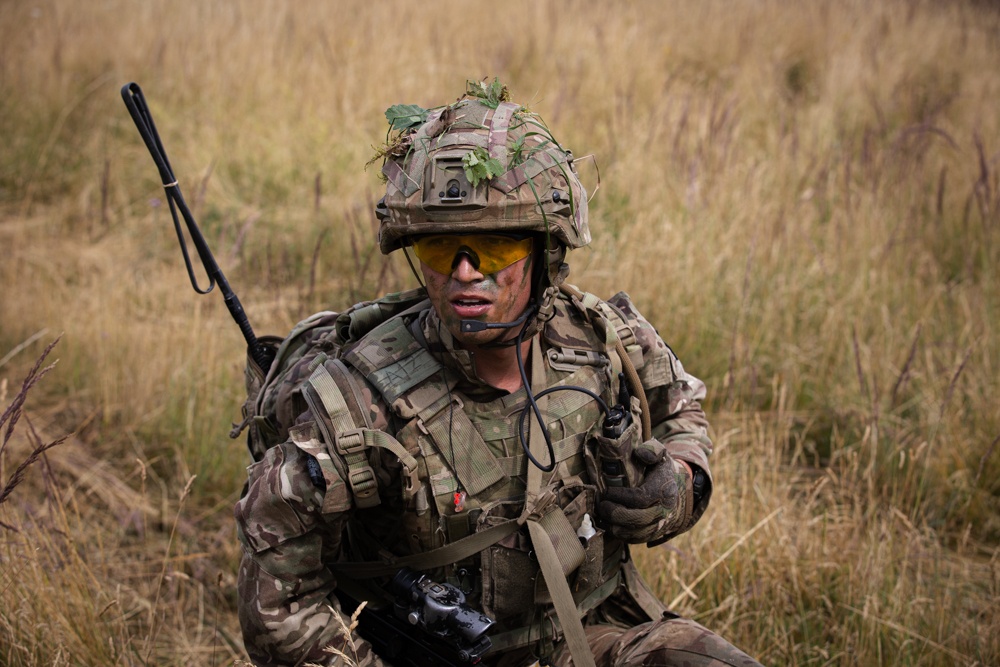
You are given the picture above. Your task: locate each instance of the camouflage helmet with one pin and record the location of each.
(482, 164)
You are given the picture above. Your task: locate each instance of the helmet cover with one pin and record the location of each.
(482, 164)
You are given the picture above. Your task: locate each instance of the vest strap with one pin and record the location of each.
(545, 550)
(353, 443)
(338, 369)
(616, 329)
(347, 439)
(429, 560)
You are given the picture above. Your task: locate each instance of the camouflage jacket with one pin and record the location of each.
(299, 518)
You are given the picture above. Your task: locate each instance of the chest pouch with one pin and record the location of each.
(612, 445)
(610, 459)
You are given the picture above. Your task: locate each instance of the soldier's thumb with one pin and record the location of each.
(650, 452)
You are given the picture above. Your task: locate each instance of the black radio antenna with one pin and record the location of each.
(135, 102)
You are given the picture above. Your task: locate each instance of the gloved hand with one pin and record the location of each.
(659, 507)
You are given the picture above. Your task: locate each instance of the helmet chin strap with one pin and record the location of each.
(413, 268)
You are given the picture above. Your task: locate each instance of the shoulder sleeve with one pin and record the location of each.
(287, 611)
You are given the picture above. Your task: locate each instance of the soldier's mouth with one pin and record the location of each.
(470, 307)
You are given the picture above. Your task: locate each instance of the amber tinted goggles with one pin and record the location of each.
(488, 253)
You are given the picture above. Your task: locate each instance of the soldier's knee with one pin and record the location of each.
(677, 642)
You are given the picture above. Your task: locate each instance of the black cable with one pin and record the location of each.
(533, 405)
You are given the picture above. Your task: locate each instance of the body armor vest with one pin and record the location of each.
(459, 468)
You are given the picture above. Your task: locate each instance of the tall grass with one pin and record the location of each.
(813, 186)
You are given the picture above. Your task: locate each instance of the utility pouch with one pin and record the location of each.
(613, 458)
(509, 568)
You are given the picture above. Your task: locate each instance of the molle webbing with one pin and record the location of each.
(461, 445)
(533, 634)
(549, 549)
(401, 369)
(560, 404)
(421, 392)
(485, 464)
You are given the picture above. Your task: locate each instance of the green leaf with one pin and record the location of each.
(494, 168)
(492, 93)
(479, 166)
(405, 116)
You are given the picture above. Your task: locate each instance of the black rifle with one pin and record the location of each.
(136, 104)
(428, 624)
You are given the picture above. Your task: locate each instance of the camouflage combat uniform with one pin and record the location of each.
(292, 519)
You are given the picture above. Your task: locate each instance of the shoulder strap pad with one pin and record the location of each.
(392, 360)
(349, 440)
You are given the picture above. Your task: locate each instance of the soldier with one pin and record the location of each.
(498, 429)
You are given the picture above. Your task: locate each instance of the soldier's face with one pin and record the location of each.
(467, 294)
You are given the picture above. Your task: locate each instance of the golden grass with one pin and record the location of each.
(803, 197)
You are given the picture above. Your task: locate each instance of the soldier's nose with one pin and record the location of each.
(464, 270)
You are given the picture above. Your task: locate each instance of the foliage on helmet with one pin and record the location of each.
(481, 164)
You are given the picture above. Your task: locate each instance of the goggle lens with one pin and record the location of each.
(488, 253)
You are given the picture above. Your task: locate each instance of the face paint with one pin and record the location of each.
(467, 294)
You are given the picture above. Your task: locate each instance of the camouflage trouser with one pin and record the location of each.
(668, 642)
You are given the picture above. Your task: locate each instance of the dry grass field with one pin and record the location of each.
(804, 198)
